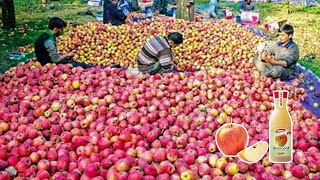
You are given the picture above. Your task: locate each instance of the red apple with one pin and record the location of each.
(231, 139)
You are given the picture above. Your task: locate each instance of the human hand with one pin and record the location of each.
(175, 61)
(174, 66)
(264, 54)
(268, 58)
(70, 54)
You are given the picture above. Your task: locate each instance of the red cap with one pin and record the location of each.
(276, 94)
(285, 94)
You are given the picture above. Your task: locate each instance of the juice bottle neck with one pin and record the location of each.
(280, 99)
(280, 104)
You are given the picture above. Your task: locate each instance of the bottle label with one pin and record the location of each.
(280, 143)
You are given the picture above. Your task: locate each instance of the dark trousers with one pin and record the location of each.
(75, 64)
(270, 70)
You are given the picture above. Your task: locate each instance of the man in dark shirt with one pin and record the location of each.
(247, 5)
(45, 46)
(111, 14)
(281, 59)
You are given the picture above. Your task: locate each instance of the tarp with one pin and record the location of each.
(311, 84)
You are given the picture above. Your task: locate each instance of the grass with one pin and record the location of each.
(32, 20)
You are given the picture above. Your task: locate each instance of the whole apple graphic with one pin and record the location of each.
(232, 138)
(281, 140)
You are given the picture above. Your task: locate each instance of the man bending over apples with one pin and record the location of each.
(156, 54)
(280, 60)
(46, 49)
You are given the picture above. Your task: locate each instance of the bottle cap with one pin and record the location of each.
(276, 94)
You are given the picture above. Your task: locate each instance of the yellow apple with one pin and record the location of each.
(36, 98)
(64, 76)
(4, 127)
(56, 105)
(186, 175)
(76, 84)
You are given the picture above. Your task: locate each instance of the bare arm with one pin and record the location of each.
(290, 58)
(280, 63)
(268, 59)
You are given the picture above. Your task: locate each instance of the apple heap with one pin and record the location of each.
(61, 122)
(212, 43)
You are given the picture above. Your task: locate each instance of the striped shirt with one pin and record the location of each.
(155, 56)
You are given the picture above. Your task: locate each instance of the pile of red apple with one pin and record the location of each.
(69, 123)
(212, 43)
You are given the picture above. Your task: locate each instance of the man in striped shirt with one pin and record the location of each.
(156, 54)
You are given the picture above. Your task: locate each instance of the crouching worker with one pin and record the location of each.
(156, 54)
(280, 60)
(46, 49)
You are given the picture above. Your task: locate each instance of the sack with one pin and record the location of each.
(133, 70)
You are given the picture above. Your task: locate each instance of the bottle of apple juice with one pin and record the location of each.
(280, 130)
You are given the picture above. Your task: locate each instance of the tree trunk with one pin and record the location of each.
(8, 14)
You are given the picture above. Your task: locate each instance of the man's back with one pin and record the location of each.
(156, 50)
(41, 51)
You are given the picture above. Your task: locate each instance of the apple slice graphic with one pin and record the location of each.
(253, 153)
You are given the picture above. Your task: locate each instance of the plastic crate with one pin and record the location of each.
(228, 13)
(96, 3)
(249, 18)
(274, 25)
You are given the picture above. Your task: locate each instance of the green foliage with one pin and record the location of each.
(308, 9)
(313, 65)
(201, 2)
